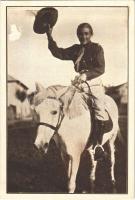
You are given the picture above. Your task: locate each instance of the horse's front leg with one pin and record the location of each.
(93, 170)
(72, 172)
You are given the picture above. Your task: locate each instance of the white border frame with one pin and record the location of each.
(3, 194)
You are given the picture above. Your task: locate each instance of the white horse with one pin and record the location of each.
(63, 112)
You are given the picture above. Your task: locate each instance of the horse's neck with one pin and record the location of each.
(75, 103)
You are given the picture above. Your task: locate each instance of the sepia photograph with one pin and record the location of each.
(67, 99)
(67, 129)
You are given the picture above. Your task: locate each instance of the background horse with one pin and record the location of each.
(63, 112)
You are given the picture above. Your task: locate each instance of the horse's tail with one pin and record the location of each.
(120, 137)
(114, 115)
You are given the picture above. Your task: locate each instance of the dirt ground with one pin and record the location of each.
(29, 172)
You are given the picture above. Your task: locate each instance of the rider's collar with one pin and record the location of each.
(87, 44)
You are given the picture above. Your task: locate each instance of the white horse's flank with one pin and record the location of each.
(74, 132)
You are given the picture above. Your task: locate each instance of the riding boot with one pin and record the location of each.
(101, 127)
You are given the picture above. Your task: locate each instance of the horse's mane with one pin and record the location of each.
(74, 101)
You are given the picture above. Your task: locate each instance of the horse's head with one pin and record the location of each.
(48, 110)
(49, 105)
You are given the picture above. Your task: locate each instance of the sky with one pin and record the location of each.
(30, 61)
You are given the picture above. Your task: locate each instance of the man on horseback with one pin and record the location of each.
(88, 59)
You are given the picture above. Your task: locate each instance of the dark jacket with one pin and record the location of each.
(92, 62)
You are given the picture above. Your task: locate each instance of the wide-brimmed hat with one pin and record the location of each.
(45, 16)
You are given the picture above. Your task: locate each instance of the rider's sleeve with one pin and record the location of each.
(98, 64)
(61, 53)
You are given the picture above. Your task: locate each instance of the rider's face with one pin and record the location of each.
(84, 35)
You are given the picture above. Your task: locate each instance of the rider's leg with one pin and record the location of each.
(102, 122)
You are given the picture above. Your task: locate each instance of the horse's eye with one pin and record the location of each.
(54, 112)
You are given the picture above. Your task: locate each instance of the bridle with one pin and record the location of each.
(60, 119)
(61, 114)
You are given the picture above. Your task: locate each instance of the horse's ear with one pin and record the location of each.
(30, 96)
(39, 87)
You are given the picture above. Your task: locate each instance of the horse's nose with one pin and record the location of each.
(41, 148)
(35, 147)
(45, 147)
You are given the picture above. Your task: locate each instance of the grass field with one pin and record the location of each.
(29, 172)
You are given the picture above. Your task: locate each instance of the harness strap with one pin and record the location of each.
(60, 119)
(47, 125)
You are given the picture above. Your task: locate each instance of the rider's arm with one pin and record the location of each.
(61, 53)
(98, 64)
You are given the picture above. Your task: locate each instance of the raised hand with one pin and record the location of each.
(49, 31)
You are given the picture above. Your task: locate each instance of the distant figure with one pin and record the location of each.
(88, 59)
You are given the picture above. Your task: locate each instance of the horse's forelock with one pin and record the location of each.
(49, 93)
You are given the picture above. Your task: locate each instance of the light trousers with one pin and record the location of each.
(97, 94)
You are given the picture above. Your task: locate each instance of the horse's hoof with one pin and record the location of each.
(84, 192)
(113, 186)
(113, 183)
(92, 186)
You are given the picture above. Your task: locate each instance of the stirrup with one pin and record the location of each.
(98, 145)
(100, 154)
